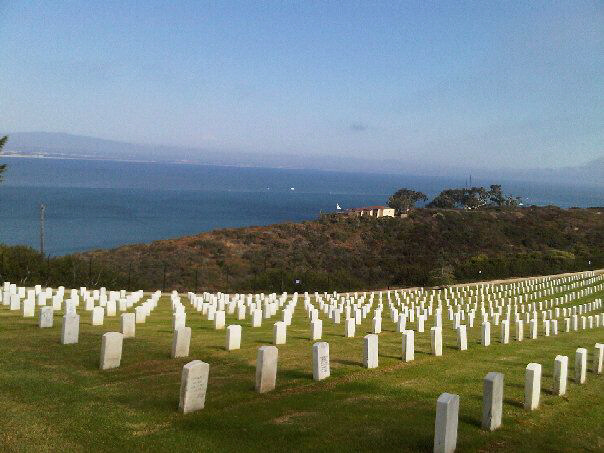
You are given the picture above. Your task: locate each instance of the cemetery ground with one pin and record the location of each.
(55, 398)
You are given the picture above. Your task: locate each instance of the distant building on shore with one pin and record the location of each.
(372, 211)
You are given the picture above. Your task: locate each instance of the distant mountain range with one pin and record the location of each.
(61, 145)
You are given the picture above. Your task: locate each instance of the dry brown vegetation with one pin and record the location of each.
(430, 247)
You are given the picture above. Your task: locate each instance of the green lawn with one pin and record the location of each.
(54, 397)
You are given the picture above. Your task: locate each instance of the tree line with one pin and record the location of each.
(405, 199)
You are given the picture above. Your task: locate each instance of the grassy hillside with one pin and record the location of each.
(430, 247)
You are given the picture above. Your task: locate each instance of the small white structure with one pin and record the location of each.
(372, 211)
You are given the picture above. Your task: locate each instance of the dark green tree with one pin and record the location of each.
(2, 166)
(405, 199)
(473, 198)
(498, 199)
(448, 199)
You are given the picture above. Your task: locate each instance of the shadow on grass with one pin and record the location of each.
(514, 403)
(347, 362)
(296, 374)
(387, 356)
(334, 335)
(507, 363)
(471, 421)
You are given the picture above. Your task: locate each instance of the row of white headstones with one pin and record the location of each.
(219, 304)
(447, 405)
(195, 374)
(267, 358)
(26, 300)
(215, 306)
(109, 303)
(194, 382)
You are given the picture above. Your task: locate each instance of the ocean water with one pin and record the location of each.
(103, 204)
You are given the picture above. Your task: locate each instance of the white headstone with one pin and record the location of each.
(179, 319)
(462, 338)
(445, 425)
(141, 314)
(233, 337)
(70, 330)
(580, 365)
(241, 312)
(533, 329)
(29, 307)
(349, 328)
(46, 316)
(111, 350)
(266, 368)
(519, 330)
(279, 333)
(128, 325)
(408, 346)
(370, 351)
(486, 334)
(599, 358)
(193, 386)
(181, 342)
(492, 401)
(256, 318)
(320, 361)
(111, 307)
(15, 302)
(98, 314)
(436, 341)
(219, 320)
(316, 330)
(560, 375)
(377, 325)
(505, 331)
(532, 386)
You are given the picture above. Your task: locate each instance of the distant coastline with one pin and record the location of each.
(73, 157)
(148, 161)
(55, 145)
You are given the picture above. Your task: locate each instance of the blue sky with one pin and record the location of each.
(481, 84)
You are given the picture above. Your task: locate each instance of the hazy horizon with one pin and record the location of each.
(514, 85)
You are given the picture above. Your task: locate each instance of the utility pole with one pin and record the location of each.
(42, 220)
